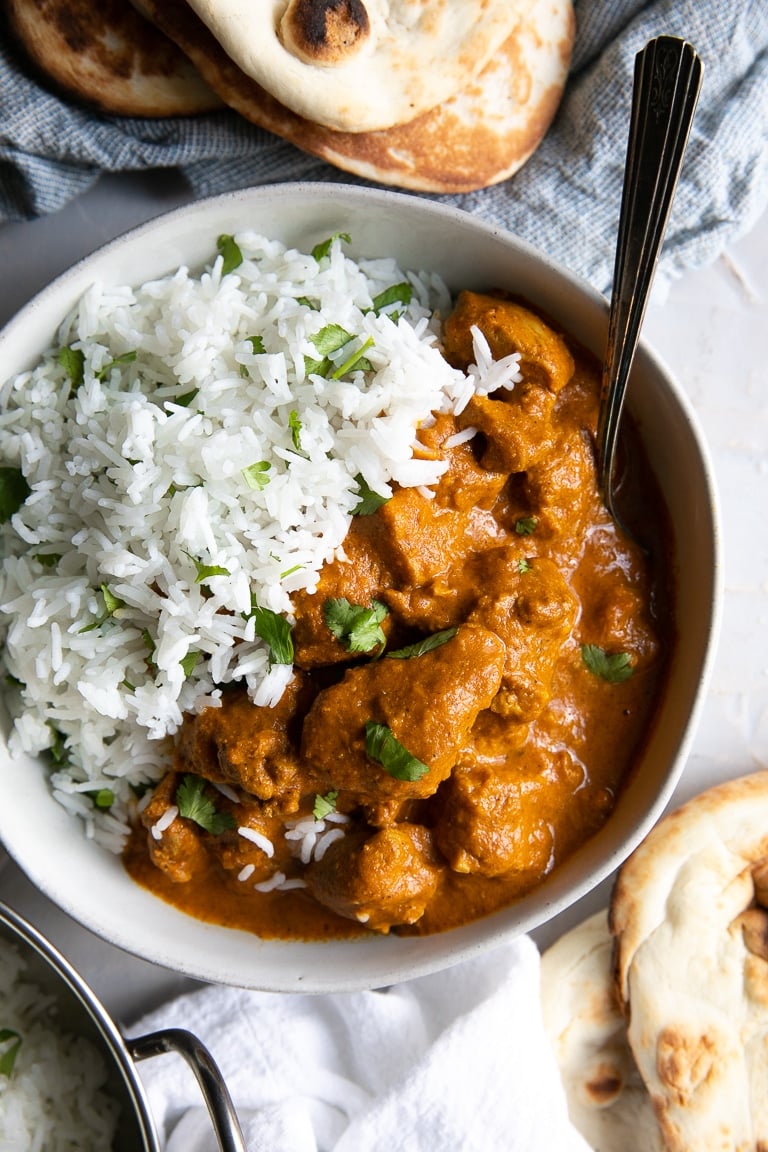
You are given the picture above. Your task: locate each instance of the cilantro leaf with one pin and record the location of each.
(13, 492)
(255, 475)
(111, 605)
(523, 565)
(194, 805)
(428, 644)
(275, 631)
(386, 750)
(126, 358)
(231, 256)
(614, 667)
(295, 427)
(10, 1042)
(257, 345)
(330, 338)
(369, 501)
(357, 360)
(103, 798)
(324, 805)
(48, 559)
(72, 361)
(316, 367)
(57, 750)
(358, 628)
(205, 571)
(185, 399)
(324, 247)
(150, 646)
(189, 663)
(401, 293)
(525, 525)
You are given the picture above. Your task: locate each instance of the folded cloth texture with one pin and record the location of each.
(457, 1061)
(564, 201)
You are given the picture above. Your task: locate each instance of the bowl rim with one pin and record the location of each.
(389, 964)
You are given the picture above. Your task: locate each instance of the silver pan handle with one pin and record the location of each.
(214, 1090)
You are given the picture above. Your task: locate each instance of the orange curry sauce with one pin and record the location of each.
(522, 744)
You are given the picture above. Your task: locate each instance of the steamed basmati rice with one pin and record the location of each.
(200, 466)
(53, 1099)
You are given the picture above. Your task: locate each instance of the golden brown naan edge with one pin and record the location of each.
(607, 1100)
(479, 138)
(110, 57)
(689, 914)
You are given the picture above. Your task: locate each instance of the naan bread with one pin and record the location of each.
(607, 1100)
(109, 56)
(481, 136)
(361, 65)
(691, 929)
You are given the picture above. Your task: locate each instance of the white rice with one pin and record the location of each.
(53, 1100)
(133, 492)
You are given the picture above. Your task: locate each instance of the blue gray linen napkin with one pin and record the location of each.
(565, 200)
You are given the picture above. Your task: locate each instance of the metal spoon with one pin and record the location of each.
(667, 80)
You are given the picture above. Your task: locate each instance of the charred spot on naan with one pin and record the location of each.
(325, 32)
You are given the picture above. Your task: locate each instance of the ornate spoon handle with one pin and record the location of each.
(667, 80)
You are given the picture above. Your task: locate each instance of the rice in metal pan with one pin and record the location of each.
(52, 1096)
(193, 451)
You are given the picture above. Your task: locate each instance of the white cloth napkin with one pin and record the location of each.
(453, 1062)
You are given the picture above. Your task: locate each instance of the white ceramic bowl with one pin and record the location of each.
(89, 883)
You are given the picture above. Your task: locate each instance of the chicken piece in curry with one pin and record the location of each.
(440, 757)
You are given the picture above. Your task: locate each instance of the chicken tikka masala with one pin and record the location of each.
(473, 680)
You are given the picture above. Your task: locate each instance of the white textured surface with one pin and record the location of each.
(711, 330)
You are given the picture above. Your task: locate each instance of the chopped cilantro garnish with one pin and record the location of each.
(324, 805)
(188, 663)
(13, 492)
(10, 1043)
(231, 256)
(316, 367)
(57, 750)
(149, 644)
(126, 358)
(48, 559)
(275, 631)
(290, 571)
(396, 294)
(357, 360)
(330, 339)
(525, 525)
(205, 571)
(305, 300)
(428, 644)
(613, 667)
(356, 627)
(257, 345)
(387, 751)
(295, 427)
(255, 475)
(72, 361)
(193, 804)
(523, 565)
(369, 501)
(111, 605)
(103, 798)
(185, 399)
(324, 247)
